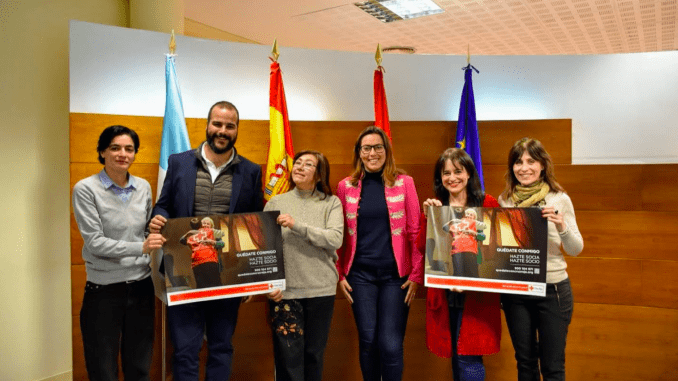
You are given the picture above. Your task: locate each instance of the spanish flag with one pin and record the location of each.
(280, 150)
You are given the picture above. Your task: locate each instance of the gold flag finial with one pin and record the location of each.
(468, 54)
(377, 55)
(173, 43)
(274, 51)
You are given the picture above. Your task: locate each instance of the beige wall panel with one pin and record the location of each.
(631, 235)
(606, 281)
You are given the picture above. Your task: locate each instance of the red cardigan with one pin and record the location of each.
(480, 332)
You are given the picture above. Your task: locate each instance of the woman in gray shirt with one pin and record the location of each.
(312, 229)
(111, 209)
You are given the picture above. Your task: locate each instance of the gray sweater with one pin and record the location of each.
(112, 230)
(310, 247)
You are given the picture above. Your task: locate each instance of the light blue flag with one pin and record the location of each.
(467, 126)
(174, 133)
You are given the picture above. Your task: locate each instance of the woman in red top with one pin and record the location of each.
(462, 325)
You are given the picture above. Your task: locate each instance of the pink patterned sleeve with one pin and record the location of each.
(413, 214)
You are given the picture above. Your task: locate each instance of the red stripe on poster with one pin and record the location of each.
(480, 284)
(219, 292)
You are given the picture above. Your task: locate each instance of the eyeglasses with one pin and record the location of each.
(378, 148)
(305, 165)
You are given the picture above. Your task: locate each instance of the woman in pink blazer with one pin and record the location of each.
(379, 264)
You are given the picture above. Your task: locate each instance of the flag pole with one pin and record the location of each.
(172, 50)
(468, 54)
(377, 56)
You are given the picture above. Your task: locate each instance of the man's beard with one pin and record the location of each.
(215, 148)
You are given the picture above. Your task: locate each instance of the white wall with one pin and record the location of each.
(624, 107)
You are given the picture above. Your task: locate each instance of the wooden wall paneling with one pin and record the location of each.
(608, 187)
(497, 138)
(334, 139)
(86, 128)
(659, 285)
(420, 142)
(659, 187)
(602, 187)
(611, 342)
(494, 179)
(78, 280)
(501, 366)
(606, 281)
(630, 235)
(337, 173)
(196, 129)
(76, 243)
(252, 343)
(422, 174)
(420, 363)
(79, 369)
(626, 214)
(341, 354)
(253, 137)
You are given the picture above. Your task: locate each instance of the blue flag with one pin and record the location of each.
(174, 133)
(467, 126)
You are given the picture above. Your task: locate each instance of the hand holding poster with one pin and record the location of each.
(486, 249)
(219, 256)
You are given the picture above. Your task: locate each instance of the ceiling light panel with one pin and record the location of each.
(393, 10)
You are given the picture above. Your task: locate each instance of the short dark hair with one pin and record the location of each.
(227, 105)
(322, 172)
(474, 191)
(536, 150)
(110, 133)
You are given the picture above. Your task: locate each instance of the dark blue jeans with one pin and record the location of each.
(189, 323)
(464, 367)
(381, 317)
(118, 318)
(538, 328)
(300, 331)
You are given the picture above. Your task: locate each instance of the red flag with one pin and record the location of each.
(380, 106)
(280, 150)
